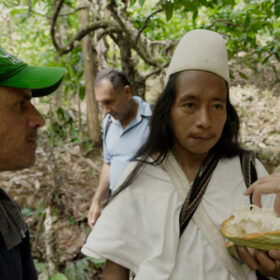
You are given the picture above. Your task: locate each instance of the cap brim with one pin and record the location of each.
(41, 80)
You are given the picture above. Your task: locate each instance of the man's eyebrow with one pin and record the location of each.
(188, 96)
(193, 97)
(219, 99)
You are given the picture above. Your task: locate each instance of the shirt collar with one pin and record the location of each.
(144, 110)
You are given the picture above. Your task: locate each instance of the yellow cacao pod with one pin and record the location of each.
(253, 227)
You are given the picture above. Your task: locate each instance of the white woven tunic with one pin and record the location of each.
(139, 229)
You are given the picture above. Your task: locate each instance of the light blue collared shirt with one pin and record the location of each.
(121, 144)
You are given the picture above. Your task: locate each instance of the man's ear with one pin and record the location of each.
(128, 90)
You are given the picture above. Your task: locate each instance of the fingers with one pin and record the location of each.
(91, 222)
(257, 185)
(93, 214)
(274, 254)
(256, 198)
(265, 185)
(277, 203)
(257, 192)
(245, 255)
(266, 264)
(92, 218)
(249, 190)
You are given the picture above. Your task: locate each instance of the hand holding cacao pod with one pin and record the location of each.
(253, 227)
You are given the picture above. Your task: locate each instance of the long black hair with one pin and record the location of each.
(161, 138)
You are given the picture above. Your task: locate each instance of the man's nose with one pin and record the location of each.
(107, 109)
(204, 118)
(35, 119)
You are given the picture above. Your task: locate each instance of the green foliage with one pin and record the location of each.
(277, 8)
(27, 212)
(168, 7)
(243, 75)
(79, 270)
(97, 262)
(88, 145)
(252, 27)
(63, 126)
(27, 34)
(76, 270)
(58, 276)
(42, 268)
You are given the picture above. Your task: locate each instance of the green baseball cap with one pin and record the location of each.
(17, 74)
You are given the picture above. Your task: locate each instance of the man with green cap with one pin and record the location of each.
(20, 120)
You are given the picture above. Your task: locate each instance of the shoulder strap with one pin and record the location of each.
(202, 219)
(197, 190)
(108, 123)
(248, 167)
(247, 160)
(215, 239)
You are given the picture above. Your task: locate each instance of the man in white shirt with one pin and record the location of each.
(163, 220)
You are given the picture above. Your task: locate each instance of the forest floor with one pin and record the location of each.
(65, 178)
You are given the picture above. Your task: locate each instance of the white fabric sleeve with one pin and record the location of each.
(139, 228)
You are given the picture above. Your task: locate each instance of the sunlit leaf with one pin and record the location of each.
(141, 2)
(266, 59)
(243, 75)
(58, 276)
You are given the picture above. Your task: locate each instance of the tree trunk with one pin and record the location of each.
(100, 45)
(129, 68)
(93, 124)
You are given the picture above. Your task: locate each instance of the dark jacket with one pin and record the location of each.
(17, 263)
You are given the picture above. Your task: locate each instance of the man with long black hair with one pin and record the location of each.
(163, 219)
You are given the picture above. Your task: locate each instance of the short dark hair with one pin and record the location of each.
(116, 77)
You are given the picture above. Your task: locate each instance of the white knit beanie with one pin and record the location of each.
(200, 49)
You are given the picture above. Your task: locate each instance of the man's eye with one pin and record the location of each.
(218, 106)
(189, 105)
(21, 104)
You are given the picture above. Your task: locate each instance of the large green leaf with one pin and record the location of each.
(168, 7)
